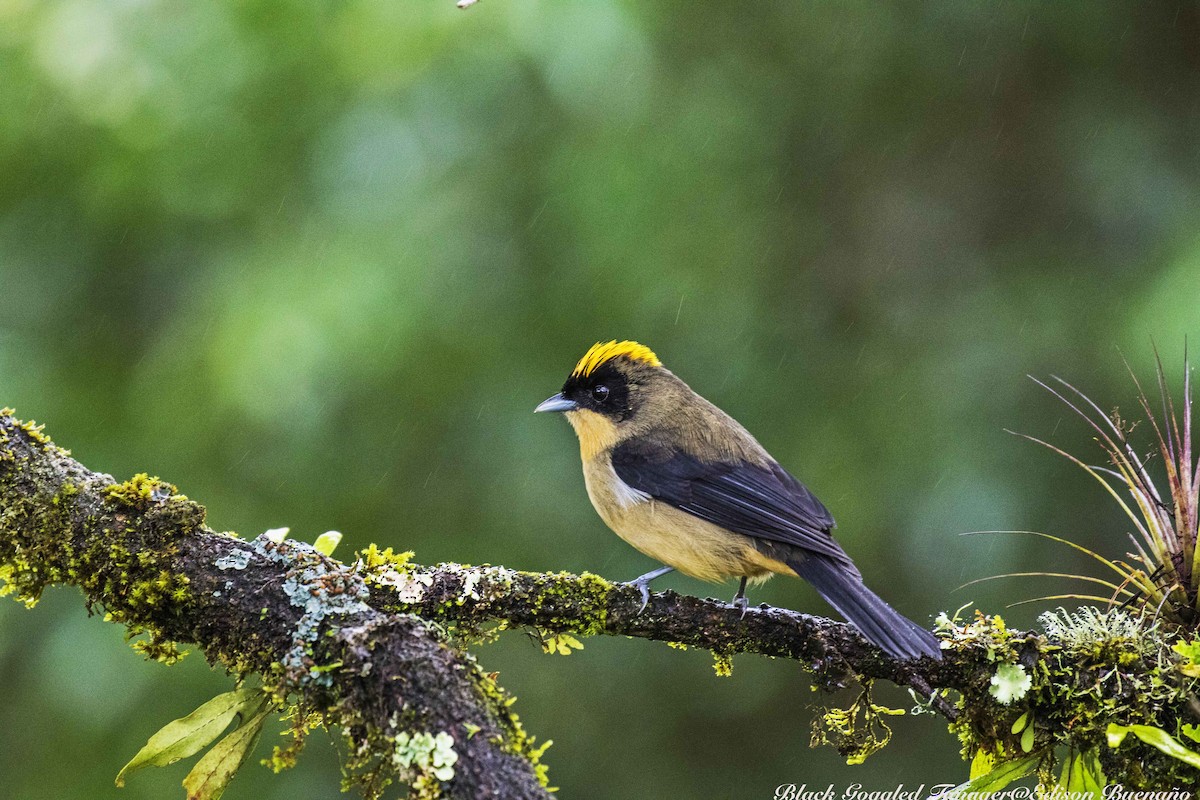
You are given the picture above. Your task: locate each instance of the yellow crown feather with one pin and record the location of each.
(602, 352)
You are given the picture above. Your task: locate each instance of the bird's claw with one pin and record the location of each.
(642, 583)
(739, 599)
(643, 588)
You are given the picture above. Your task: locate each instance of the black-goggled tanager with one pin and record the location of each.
(684, 483)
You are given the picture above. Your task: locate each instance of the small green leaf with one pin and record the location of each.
(1082, 775)
(212, 773)
(1116, 734)
(189, 735)
(1021, 722)
(1189, 651)
(276, 535)
(1027, 739)
(1155, 737)
(995, 780)
(561, 643)
(981, 764)
(327, 542)
(1191, 731)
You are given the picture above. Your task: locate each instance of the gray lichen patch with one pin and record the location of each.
(238, 559)
(321, 588)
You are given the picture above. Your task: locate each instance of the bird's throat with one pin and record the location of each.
(596, 432)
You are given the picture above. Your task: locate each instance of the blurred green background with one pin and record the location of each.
(315, 263)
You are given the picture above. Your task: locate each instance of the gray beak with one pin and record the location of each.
(556, 403)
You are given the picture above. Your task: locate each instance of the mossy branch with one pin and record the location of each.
(355, 645)
(589, 605)
(301, 621)
(375, 649)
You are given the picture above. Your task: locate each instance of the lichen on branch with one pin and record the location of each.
(388, 682)
(377, 649)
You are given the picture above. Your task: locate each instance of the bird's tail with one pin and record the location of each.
(883, 626)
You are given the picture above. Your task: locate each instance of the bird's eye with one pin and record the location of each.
(600, 393)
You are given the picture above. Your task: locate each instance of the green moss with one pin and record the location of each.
(70, 538)
(375, 759)
(67, 491)
(301, 725)
(37, 548)
(155, 649)
(141, 490)
(372, 558)
(118, 542)
(34, 432)
(857, 731)
(515, 738)
(1091, 668)
(583, 599)
(594, 592)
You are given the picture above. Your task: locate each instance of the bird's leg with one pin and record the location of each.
(739, 599)
(643, 584)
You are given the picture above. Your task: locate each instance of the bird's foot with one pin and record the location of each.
(642, 584)
(643, 588)
(739, 599)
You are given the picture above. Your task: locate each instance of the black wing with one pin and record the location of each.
(760, 501)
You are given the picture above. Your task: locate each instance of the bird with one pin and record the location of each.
(684, 483)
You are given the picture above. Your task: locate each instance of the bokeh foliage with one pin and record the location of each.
(316, 262)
